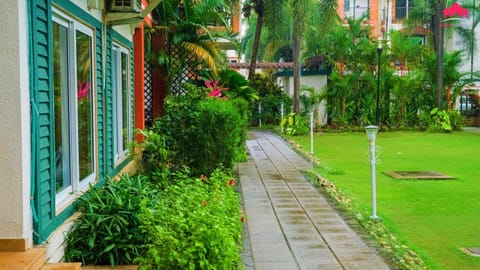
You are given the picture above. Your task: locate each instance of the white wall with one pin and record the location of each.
(15, 212)
(318, 82)
(453, 42)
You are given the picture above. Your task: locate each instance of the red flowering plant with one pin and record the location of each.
(215, 89)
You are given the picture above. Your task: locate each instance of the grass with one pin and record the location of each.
(433, 217)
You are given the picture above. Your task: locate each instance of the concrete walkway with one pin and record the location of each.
(290, 224)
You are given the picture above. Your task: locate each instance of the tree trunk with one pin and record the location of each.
(472, 30)
(448, 99)
(256, 40)
(296, 72)
(438, 38)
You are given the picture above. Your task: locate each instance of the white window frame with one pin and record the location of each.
(70, 110)
(118, 50)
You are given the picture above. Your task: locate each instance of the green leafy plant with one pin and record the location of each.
(197, 225)
(293, 124)
(440, 121)
(237, 85)
(152, 158)
(271, 96)
(108, 231)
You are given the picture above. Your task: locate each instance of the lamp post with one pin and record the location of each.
(377, 111)
(281, 110)
(312, 126)
(371, 132)
(260, 114)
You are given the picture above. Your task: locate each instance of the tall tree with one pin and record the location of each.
(417, 17)
(300, 9)
(270, 13)
(438, 40)
(257, 6)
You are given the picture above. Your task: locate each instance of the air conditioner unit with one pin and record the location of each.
(126, 6)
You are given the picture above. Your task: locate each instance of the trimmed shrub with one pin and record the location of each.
(202, 133)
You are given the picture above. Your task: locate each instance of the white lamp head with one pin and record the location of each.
(371, 132)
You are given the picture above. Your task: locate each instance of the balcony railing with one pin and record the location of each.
(356, 12)
(402, 12)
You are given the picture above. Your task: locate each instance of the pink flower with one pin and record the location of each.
(83, 88)
(215, 89)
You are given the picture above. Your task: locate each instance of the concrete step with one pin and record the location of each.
(108, 267)
(62, 266)
(32, 259)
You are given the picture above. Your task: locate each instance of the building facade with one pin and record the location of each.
(71, 96)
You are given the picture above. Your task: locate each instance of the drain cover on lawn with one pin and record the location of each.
(422, 175)
(472, 251)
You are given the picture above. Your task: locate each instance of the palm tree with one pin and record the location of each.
(405, 49)
(300, 9)
(258, 7)
(432, 9)
(268, 12)
(282, 33)
(184, 25)
(454, 79)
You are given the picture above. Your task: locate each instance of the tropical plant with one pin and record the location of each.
(294, 125)
(271, 96)
(431, 13)
(152, 158)
(440, 121)
(183, 27)
(309, 99)
(108, 231)
(406, 50)
(236, 84)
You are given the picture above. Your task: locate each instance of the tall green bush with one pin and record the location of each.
(202, 132)
(220, 133)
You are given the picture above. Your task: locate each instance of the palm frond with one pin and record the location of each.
(201, 53)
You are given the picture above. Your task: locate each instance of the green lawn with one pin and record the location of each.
(434, 217)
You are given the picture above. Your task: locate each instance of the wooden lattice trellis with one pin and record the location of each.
(148, 97)
(184, 69)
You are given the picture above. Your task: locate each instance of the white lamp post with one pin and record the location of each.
(281, 113)
(260, 114)
(372, 136)
(312, 126)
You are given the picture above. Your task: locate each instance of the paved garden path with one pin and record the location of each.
(289, 223)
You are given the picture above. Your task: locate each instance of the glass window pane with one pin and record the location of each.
(125, 101)
(116, 93)
(60, 103)
(84, 104)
